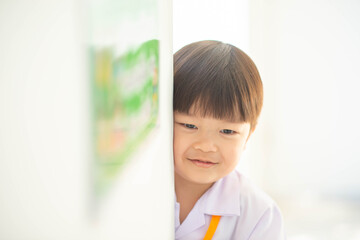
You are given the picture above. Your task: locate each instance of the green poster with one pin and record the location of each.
(124, 77)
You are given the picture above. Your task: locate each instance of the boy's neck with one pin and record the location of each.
(185, 187)
(187, 194)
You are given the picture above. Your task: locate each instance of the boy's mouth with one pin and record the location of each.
(202, 163)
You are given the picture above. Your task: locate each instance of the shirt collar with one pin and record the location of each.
(193, 221)
(223, 198)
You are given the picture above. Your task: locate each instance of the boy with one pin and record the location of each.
(218, 97)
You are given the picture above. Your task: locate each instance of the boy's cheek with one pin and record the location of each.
(177, 146)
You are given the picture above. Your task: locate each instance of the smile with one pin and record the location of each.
(202, 163)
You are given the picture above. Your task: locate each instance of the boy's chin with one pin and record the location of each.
(197, 180)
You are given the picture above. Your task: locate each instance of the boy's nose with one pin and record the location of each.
(205, 144)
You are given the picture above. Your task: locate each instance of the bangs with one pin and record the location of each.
(213, 79)
(214, 98)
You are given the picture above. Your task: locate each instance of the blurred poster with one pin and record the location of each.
(124, 56)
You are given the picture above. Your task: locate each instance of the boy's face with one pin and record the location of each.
(207, 149)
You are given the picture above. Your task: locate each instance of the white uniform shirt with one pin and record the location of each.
(247, 213)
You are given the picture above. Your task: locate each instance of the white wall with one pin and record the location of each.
(43, 121)
(141, 204)
(308, 53)
(45, 134)
(226, 21)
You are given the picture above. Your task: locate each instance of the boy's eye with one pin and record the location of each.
(191, 126)
(227, 131)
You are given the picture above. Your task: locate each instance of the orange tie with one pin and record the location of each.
(212, 227)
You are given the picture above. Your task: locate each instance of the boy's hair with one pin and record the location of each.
(217, 80)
